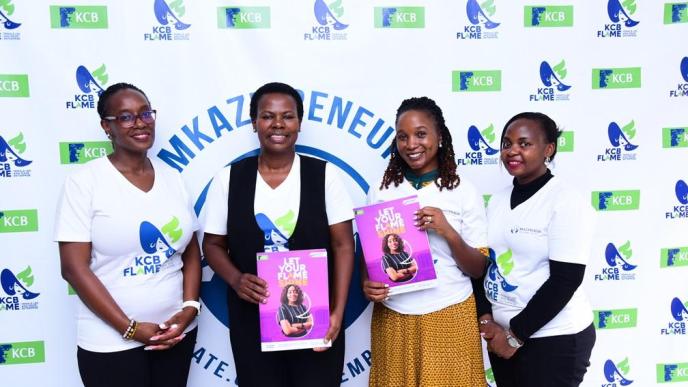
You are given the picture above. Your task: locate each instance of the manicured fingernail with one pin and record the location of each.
(264, 300)
(267, 294)
(154, 338)
(174, 326)
(162, 326)
(387, 298)
(148, 348)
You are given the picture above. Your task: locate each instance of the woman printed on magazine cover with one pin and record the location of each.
(278, 201)
(293, 315)
(444, 349)
(396, 262)
(539, 315)
(125, 226)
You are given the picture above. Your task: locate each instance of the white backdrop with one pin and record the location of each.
(354, 62)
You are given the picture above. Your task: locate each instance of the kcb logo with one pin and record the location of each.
(682, 88)
(82, 152)
(616, 200)
(620, 137)
(675, 13)
(22, 353)
(616, 78)
(615, 318)
(243, 17)
(549, 16)
(18, 221)
(14, 85)
(475, 80)
(672, 373)
(78, 16)
(679, 314)
(399, 17)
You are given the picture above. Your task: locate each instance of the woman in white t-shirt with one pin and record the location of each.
(430, 337)
(538, 324)
(278, 201)
(125, 227)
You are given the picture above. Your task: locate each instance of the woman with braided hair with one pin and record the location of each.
(441, 343)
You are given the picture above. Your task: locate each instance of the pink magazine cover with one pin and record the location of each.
(297, 312)
(396, 252)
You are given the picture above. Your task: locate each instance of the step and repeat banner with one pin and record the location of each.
(612, 73)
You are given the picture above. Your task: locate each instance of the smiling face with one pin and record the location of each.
(417, 141)
(277, 123)
(292, 295)
(393, 244)
(524, 149)
(140, 137)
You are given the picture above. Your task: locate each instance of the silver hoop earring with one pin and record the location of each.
(547, 160)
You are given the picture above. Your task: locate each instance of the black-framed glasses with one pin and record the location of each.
(128, 120)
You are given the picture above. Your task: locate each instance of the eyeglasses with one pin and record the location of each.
(128, 120)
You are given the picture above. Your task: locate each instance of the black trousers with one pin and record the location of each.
(559, 361)
(302, 368)
(138, 368)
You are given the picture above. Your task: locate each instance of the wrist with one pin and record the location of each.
(191, 306)
(512, 340)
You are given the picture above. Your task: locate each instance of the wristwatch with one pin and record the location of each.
(193, 304)
(512, 340)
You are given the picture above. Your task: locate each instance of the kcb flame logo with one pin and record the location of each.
(18, 285)
(614, 373)
(553, 76)
(621, 12)
(10, 151)
(619, 256)
(478, 13)
(480, 140)
(329, 14)
(499, 267)
(6, 10)
(153, 240)
(91, 83)
(174, 10)
(620, 137)
(679, 310)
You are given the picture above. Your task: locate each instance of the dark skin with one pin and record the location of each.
(524, 149)
(277, 125)
(417, 141)
(130, 158)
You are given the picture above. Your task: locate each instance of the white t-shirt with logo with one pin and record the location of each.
(555, 223)
(137, 239)
(277, 209)
(465, 212)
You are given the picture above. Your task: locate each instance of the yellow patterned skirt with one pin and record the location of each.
(433, 350)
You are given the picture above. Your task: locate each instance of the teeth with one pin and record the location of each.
(414, 155)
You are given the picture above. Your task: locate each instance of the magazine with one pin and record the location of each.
(297, 312)
(396, 252)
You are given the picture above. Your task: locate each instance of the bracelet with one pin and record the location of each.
(193, 304)
(484, 322)
(131, 330)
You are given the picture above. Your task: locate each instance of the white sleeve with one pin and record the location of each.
(74, 213)
(571, 229)
(214, 218)
(338, 204)
(474, 222)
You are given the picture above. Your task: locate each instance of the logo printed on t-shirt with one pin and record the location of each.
(156, 246)
(276, 234)
(495, 282)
